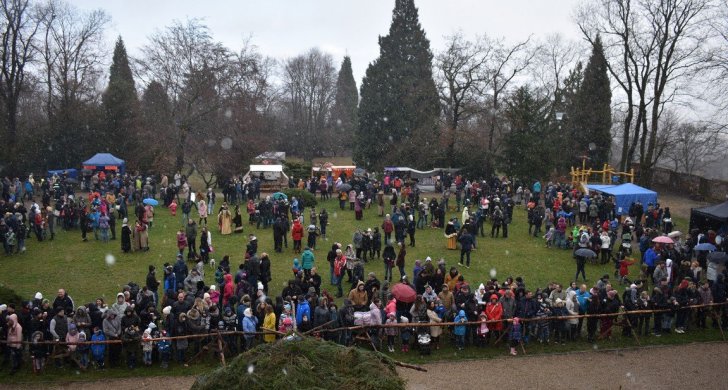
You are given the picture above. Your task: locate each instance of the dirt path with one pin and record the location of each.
(694, 366)
(147, 383)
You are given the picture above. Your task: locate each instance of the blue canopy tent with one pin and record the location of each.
(105, 162)
(626, 194)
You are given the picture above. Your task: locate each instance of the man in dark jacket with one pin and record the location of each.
(153, 283)
(465, 300)
(466, 246)
(63, 301)
(180, 272)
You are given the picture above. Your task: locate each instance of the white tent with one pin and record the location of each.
(270, 172)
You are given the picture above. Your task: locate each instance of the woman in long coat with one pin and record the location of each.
(141, 237)
(125, 236)
(225, 220)
(202, 209)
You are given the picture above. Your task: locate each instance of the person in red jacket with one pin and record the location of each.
(494, 312)
(228, 290)
(387, 228)
(297, 235)
(339, 270)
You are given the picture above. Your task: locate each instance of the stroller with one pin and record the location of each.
(424, 339)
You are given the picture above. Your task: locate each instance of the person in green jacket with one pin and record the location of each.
(307, 261)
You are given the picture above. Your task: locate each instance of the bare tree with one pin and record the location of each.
(309, 87)
(653, 48)
(18, 27)
(504, 64)
(192, 67)
(692, 146)
(555, 57)
(461, 81)
(73, 55)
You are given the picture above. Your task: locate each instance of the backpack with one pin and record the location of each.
(584, 239)
(10, 238)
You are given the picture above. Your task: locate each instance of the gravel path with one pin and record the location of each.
(693, 366)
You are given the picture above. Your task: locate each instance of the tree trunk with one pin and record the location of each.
(180, 161)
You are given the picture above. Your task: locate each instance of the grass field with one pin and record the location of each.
(80, 267)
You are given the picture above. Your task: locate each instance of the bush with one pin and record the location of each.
(304, 364)
(8, 295)
(297, 170)
(305, 198)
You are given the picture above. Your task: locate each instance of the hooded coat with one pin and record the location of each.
(358, 297)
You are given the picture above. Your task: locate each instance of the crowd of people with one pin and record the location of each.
(146, 318)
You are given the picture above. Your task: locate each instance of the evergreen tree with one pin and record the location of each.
(121, 105)
(399, 104)
(593, 114)
(345, 113)
(157, 124)
(528, 147)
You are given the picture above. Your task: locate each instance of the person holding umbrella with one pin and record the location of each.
(580, 262)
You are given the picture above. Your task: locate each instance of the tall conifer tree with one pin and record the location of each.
(399, 104)
(345, 113)
(121, 105)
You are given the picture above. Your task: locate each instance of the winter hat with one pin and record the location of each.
(206, 296)
(493, 296)
(213, 288)
(559, 301)
(403, 319)
(632, 286)
(167, 310)
(428, 259)
(125, 220)
(260, 286)
(248, 312)
(38, 296)
(3, 307)
(72, 326)
(152, 326)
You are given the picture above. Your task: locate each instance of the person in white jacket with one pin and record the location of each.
(606, 248)
(572, 306)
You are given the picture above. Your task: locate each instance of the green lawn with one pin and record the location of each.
(80, 267)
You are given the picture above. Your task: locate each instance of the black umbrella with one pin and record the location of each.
(345, 187)
(718, 257)
(584, 252)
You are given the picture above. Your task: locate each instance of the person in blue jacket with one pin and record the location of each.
(98, 351)
(302, 309)
(459, 330)
(249, 324)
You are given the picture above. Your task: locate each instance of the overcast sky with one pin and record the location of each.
(285, 28)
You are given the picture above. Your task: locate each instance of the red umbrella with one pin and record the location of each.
(404, 293)
(663, 240)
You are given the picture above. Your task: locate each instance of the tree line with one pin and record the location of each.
(531, 108)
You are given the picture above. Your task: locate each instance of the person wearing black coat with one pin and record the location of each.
(152, 283)
(595, 307)
(253, 268)
(180, 272)
(278, 233)
(659, 302)
(388, 256)
(265, 273)
(465, 300)
(719, 296)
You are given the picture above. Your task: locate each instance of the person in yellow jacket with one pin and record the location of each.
(269, 323)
